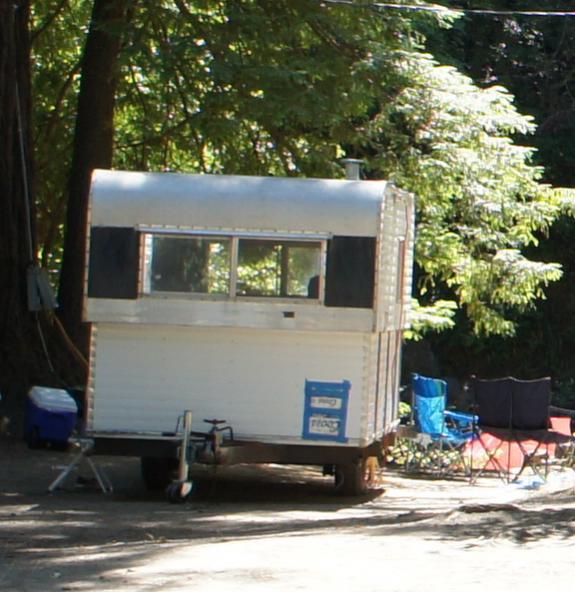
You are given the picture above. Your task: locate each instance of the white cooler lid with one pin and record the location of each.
(52, 399)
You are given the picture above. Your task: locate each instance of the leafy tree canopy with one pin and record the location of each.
(289, 87)
(480, 200)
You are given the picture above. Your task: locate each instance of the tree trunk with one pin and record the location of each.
(93, 148)
(20, 357)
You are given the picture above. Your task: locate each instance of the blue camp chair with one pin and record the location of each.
(440, 435)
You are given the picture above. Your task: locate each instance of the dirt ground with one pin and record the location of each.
(278, 528)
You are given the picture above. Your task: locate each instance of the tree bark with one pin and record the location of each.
(93, 148)
(18, 335)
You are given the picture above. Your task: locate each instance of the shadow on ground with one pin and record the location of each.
(80, 533)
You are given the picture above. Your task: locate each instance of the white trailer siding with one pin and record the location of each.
(146, 376)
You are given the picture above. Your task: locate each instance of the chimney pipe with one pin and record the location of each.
(352, 168)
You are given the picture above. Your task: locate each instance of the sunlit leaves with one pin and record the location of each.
(437, 317)
(479, 197)
(288, 88)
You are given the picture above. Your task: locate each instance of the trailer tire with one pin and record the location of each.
(157, 473)
(350, 478)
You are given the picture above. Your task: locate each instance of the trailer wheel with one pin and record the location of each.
(350, 478)
(157, 473)
(180, 491)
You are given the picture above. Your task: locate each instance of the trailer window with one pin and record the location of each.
(113, 271)
(288, 269)
(350, 272)
(186, 264)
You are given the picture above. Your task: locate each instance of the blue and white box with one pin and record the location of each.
(325, 410)
(51, 416)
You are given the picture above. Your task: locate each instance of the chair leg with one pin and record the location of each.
(85, 448)
(533, 459)
(490, 460)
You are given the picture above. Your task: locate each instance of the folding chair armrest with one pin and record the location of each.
(461, 417)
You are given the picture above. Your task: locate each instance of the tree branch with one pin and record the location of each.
(46, 24)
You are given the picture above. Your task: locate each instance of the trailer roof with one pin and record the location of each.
(341, 207)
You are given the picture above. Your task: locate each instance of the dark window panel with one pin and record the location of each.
(350, 272)
(114, 263)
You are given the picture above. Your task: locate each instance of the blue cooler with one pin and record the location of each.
(51, 416)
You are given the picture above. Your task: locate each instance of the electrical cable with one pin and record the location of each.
(438, 9)
(31, 257)
(30, 243)
(28, 213)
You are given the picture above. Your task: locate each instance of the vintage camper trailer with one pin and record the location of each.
(275, 305)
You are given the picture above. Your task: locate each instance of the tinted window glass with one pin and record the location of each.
(278, 268)
(187, 264)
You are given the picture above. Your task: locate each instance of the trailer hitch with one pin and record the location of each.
(196, 446)
(215, 438)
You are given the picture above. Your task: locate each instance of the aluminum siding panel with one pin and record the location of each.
(146, 376)
(121, 198)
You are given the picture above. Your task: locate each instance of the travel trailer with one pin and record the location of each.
(270, 308)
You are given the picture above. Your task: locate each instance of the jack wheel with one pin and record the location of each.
(179, 492)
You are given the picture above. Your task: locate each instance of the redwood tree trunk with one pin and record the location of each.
(20, 352)
(93, 148)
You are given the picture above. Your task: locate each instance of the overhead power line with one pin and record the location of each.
(438, 9)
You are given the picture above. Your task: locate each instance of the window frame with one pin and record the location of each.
(234, 239)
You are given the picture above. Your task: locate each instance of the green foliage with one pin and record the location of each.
(404, 410)
(480, 201)
(241, 88)
(564, 393)
(58, 31)
(436, 317)
(288, 87)
(533, 59)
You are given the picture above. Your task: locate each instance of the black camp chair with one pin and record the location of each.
(514, 412)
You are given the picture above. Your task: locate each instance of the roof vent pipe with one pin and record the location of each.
(352, 168)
